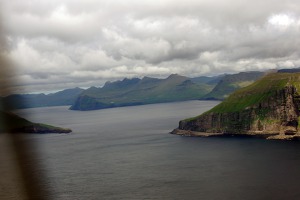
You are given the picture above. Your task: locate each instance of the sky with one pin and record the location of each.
(58, 44)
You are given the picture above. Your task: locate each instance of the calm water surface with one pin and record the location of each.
(127, 153)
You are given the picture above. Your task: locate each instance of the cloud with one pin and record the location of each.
(58, 44)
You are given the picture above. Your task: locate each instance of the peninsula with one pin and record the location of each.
(268, 108)
(13, 123)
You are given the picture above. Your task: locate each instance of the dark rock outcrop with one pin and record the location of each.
(12, 123)
(40, 128)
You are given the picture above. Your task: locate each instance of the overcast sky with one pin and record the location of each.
(57, 44)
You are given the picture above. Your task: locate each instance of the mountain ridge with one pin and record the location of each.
(60, 98)
(231, 82)
(137, 91)
(211, 88)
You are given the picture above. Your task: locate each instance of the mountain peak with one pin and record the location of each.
(175, 76)
(121, 83)
(147, 79)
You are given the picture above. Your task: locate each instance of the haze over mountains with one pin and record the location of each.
(140, 91)
(137, 91)
(231, 82)
(18, 101)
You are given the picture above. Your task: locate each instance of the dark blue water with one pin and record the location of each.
(127, 153)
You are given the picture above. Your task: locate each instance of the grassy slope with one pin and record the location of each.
(230, 83)
(255, 93)
(208, 80)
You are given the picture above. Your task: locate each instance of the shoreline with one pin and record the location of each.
(268, 136)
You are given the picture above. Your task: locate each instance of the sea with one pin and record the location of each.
(128, 153)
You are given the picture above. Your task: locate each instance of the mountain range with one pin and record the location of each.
(268, 107)
(61, 98)
(140, 91)
(137, 91)
(148, 90)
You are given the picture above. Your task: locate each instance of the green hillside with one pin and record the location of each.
(214, 80)
(257, 92)
(230, 83)
(140, 91)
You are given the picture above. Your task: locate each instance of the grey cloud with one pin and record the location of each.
(81, 43)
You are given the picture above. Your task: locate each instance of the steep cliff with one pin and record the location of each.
(267, 108)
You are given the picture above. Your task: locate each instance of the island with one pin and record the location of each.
(13, 123)
(268, 108)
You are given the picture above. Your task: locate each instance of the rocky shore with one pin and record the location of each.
(40, 128)
(269, 136)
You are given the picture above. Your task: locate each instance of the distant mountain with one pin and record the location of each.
(18, 101)
(140, 91)
(230, 83)
(295, 70)
(208, 80)
(11, 123)
(268, 108)
(137, 91)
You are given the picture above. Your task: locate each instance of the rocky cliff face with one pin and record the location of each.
(273, 117)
